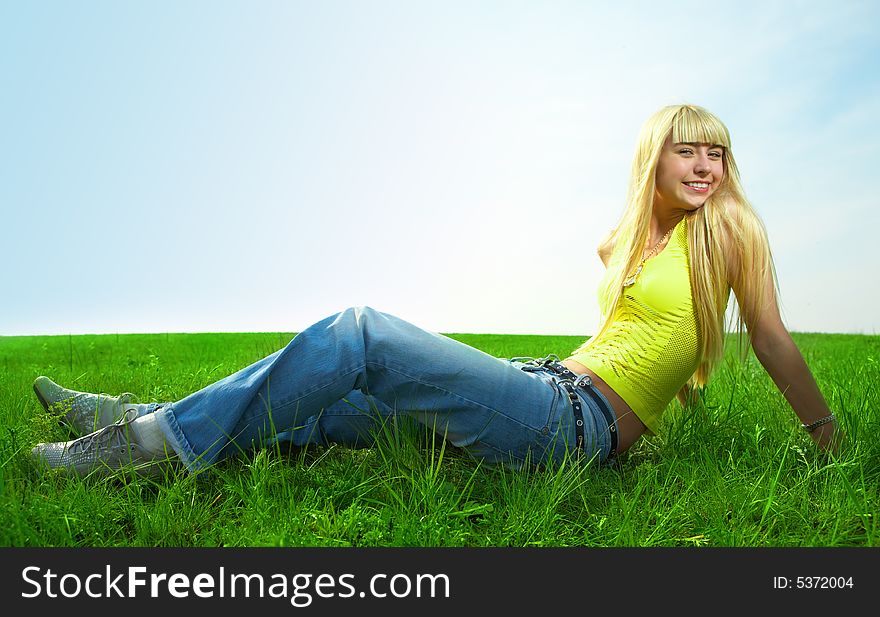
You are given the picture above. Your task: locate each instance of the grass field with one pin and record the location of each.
(734, 471)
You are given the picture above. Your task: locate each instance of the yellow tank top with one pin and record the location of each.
(652, 346)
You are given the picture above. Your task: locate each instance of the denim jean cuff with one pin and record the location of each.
(176, 439)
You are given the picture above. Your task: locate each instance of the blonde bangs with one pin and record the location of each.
(694, 125)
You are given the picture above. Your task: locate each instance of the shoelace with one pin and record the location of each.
(125, 398)
(106, 435)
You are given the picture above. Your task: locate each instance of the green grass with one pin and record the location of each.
(735, 471)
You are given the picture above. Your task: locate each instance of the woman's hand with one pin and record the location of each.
(780, 357)
(828, 437)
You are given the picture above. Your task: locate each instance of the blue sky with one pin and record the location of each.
(256, 166)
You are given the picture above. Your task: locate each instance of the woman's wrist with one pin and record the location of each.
(828, 435)
(820, 422)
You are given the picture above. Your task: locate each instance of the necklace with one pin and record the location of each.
(629, 282)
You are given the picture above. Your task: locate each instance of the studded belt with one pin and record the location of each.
(570, 381)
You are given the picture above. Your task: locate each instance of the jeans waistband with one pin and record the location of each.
(570, 380)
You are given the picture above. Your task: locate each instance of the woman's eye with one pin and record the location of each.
(685, 151)
(716, 155)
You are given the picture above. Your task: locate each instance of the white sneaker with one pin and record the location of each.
(82, 411)
(104, 452)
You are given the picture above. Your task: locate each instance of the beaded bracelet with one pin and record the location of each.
(812, 427)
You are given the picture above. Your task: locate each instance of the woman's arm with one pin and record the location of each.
(783, 361)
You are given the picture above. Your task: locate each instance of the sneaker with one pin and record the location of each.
(103, 452)
(82, 411)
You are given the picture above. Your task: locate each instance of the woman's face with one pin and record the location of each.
(687, 174)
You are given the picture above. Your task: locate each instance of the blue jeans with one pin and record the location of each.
(339, 379)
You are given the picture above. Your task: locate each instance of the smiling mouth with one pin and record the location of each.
(699, 187)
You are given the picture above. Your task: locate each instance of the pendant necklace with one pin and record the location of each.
(629, 282)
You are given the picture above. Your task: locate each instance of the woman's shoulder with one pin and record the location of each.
(606, 247)
(739, 224)
(743, 239)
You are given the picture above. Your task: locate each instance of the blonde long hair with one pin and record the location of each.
(724, 236)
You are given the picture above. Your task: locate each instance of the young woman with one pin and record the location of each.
(687, 237)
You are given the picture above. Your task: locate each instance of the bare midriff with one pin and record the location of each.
(629, 427)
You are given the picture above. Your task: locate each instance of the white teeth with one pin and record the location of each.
(698, 185)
